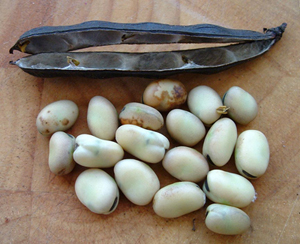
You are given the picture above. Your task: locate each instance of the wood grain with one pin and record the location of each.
(39, 207)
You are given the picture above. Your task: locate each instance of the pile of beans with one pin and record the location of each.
(138, 135)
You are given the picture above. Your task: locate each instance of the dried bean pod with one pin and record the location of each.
(99, 33)
(151, 64)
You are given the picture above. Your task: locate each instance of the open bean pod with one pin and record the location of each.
(51, 45)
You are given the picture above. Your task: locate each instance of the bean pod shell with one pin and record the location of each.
(136, 180)
(203, 102)
(185, 127)
(97, 190)
(61, 148)
(178, 199)
(141, 115)
(165, 94)
(220, 141)
(102, 118)
(57, 116)
(242, 105)
(226, 220)
(186, 164)
(228, 188)
(252, 154)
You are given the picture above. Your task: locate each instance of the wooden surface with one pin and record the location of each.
(39, 207)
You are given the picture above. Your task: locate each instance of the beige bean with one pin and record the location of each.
(165, 94)
(185, 127)
(242, 106)
(141, 115)
(97, 190)
(178, 199)
(186, 164)
(226, 220)
(57, 116)
(136, 180)
(93, 152)
(146, 145)
(228, 188)
(219, 142)
(252, 154)
(61, 148)
(102, 118)
(203, 102)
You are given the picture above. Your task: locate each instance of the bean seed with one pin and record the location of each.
(97, 190)
(178, 199)
(203, 102)
(228, 188)
(146, 145)
(136, 180)
(61, 148)
(141, 115)
(242, 106)
(102, 118)
(219, 142)
(57, 116)
(252, 154)
(185, 127)
(91, 151)
(226, 220)
(165, 94)
(186, 164)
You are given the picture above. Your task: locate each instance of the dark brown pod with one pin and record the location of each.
(150, 64)
(100, 33)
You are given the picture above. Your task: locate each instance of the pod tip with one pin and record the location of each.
(277, 31)
(12, 62)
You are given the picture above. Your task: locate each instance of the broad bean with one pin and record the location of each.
(228, 188)
(97, 190)
(165, 94)
(141, 115)
(178, 199)
(102, 118)
(226, 220)
(203, 102)
(185, 127)
(136, 180)
(91, 151)
(146, 145)
(57, 116)
(252, 154)
(186, 164)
